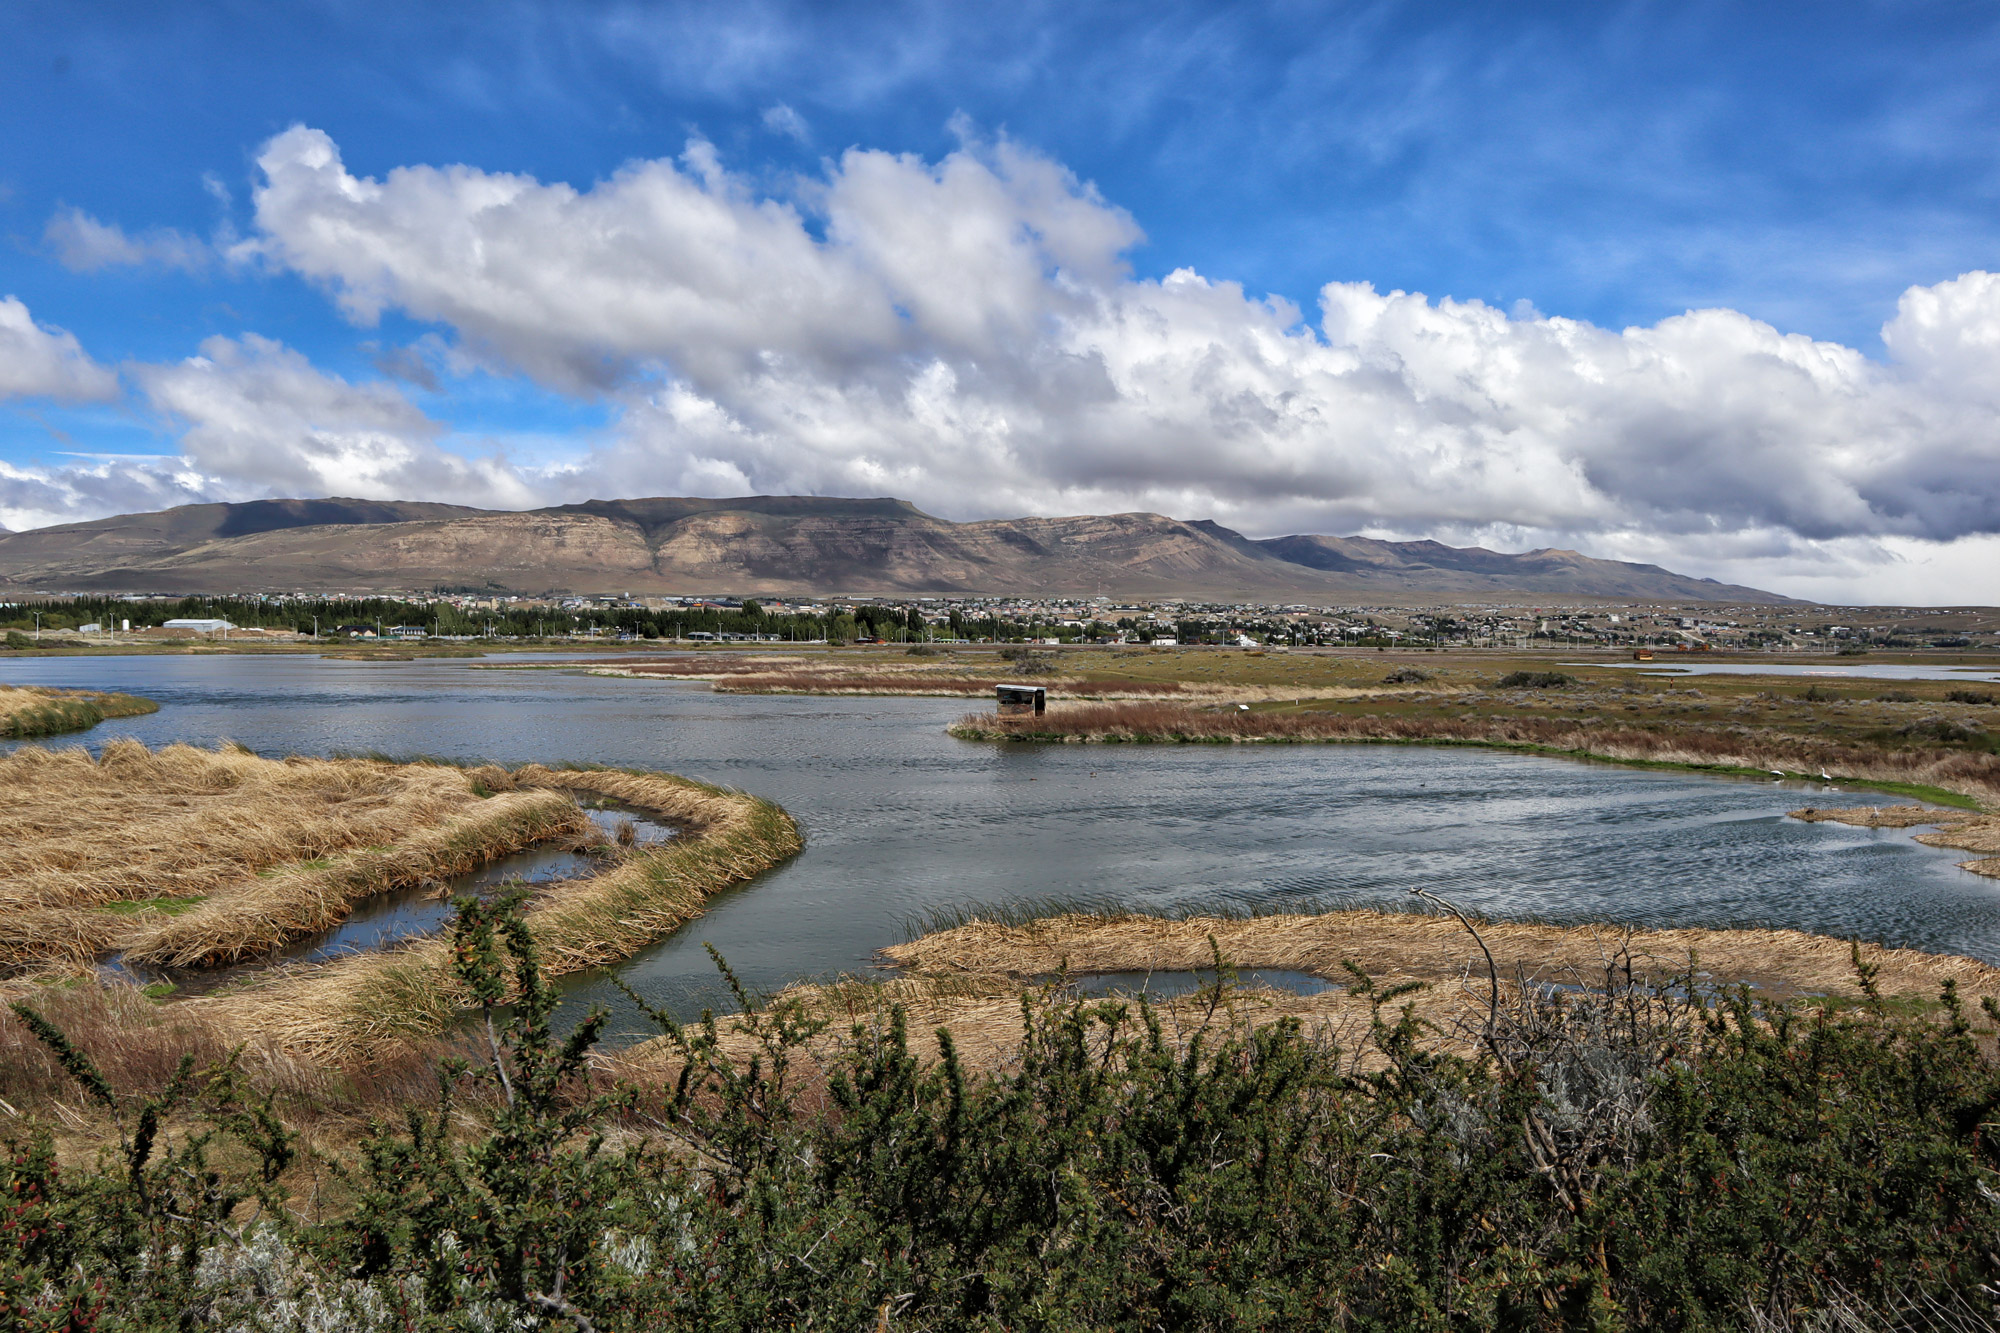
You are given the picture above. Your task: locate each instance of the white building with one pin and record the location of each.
(198, 626)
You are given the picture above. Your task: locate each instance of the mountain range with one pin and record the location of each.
(783, 544)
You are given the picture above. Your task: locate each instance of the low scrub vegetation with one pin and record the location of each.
(1949, 730)
(1621, 1157)
(1535, 680)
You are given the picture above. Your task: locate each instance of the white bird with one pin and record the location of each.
(1777, 772)
(1826, 775)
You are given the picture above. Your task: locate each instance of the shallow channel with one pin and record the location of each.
(901, 820)
(1689, 664)
(388, 920)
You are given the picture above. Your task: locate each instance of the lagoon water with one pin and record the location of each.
(901, 819)
(1675, 664)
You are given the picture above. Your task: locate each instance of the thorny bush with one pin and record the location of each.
(1603, 1157)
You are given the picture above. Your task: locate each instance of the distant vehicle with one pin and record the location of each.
(1643, 655)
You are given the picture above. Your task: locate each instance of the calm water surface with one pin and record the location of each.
(1670, 664)
(901, 819)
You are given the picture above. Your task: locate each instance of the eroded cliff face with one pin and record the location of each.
(775, 544)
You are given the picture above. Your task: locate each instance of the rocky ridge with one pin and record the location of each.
(767, 545)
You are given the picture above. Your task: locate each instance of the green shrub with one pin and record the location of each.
(1662, 1159)
(1535, 680)
(1028, 662)
(1948, 730)
(16, 639)
(1971, 697)
(1406, 676)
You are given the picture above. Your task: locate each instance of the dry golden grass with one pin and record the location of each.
(136, 1044)
(372, 1003)
(986, 1023)
(1968, 772)
(805, 675)
(250, 917)
(112, 853)
(190, 857)
(958, 677)
(29, 711)
(971, 981)
(1398, 947)
(180, 821)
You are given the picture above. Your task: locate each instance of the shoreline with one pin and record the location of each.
(972, 980)
(1424, 945)
(223, 856)
(30, 712)
(377, 1002)
(1735, 757)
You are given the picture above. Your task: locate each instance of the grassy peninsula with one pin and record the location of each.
(193, 858)
(29, 712)
(1933, 738)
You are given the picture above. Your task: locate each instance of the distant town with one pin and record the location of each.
(457, 616)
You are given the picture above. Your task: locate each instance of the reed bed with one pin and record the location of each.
(252, 917)
(27, 712)
(178, 822)
(136, 1044)
(379, 1002)
(1397, 946)
(191, 856)
(1969, 772)
(970, 980)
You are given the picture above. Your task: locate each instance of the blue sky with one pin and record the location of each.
(1585, 167)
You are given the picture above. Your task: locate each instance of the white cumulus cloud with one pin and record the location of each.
(41, 362)
(966, 333)
(257, 419)
(32, 497)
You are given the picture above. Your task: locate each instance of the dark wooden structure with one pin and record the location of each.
(1020, 699)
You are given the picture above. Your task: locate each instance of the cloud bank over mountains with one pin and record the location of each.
(966, 333)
